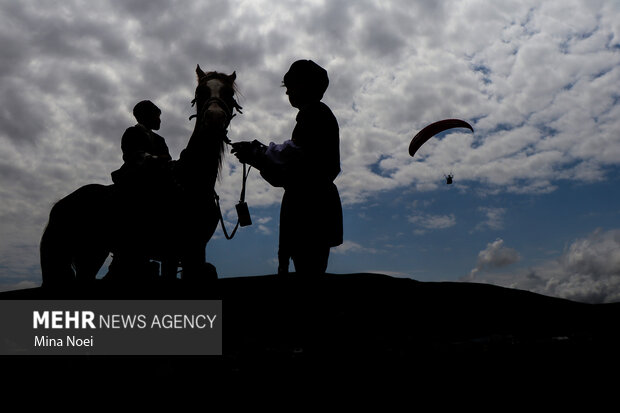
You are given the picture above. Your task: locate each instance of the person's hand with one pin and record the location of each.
(243, 151)
(154, 159)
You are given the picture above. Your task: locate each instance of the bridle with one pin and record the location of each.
(228, 111)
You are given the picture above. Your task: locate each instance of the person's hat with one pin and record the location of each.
(144, 109)
(308, 75)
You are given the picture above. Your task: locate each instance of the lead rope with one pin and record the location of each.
(241, 201)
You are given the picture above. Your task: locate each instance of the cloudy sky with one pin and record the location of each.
(534, 204)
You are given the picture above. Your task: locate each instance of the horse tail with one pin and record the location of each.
(73, 237)
(55, 250)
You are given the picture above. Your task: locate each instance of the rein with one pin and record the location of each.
(243, 214)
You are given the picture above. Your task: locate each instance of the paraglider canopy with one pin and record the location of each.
(433, 129)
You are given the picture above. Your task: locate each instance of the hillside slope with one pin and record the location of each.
(353, 324)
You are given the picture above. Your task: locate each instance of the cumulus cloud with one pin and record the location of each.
(539, 82)
(262, 225)
(587, 271)
(348, 247)
(495, 255)
(424, 222)
(494, 218)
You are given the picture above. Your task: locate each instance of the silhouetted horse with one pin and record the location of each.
(85, 226)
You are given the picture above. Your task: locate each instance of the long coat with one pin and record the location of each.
(306, 167)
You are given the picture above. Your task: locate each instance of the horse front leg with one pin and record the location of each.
(193, 259)
(195, 267)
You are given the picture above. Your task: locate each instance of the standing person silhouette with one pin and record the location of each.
(306, 167)
(142, 181)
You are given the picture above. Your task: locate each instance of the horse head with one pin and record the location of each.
(215, 105)
(215, 99)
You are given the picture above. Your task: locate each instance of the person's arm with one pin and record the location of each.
(161, 151)
(280, 161)
(133, 146)
(276, 162)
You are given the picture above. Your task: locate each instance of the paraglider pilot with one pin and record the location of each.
(306, 167)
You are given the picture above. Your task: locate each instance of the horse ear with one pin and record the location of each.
(233, 76)
(199, 72)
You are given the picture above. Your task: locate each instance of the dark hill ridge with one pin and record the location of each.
(371, 322)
